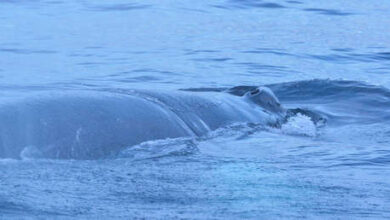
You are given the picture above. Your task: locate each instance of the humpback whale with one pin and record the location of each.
(97, 124)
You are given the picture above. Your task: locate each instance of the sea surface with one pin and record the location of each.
(332, 57)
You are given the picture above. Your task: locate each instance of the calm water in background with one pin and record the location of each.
(331, 56)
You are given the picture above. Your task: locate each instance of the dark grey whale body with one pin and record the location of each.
(90, 125)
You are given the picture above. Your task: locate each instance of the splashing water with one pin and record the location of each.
(300, 125)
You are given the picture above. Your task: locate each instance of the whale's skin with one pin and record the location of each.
(91, 125)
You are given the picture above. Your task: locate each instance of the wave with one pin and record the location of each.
(342, 101)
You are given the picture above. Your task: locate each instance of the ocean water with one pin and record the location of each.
(330, 57)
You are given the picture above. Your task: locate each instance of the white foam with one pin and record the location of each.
(300, 125)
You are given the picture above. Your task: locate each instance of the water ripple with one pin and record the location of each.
(345, 56)
(26, 51)
(331, 12)
(247, 4)
(118, 7)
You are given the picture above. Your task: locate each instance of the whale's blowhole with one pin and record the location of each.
(264, 97)
(255, 91)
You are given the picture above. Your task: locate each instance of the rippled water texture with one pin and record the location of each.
(330, 57)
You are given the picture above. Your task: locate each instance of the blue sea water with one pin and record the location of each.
(331, 57)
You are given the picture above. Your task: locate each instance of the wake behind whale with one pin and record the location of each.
(90, 125)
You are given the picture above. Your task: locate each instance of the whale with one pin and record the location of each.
(99, 124)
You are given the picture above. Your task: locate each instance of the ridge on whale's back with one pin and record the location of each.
(96, 124)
